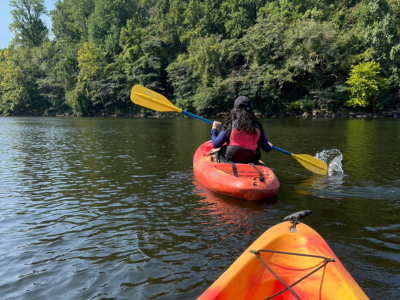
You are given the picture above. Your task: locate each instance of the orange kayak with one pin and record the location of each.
(288, 261)
(247, 184)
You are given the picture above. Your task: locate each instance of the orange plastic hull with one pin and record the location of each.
(247, 278)
(219, 177)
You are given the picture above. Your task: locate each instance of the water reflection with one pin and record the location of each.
(240, 215)
(339, 187)
(360, 137)
(320, 185)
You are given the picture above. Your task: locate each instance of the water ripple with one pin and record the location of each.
(99, 208)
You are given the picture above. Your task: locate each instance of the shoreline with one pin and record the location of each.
(313, 114)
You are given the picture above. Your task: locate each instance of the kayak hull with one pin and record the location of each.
(219, 177)
(247, 278)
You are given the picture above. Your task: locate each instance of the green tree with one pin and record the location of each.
(29, 29)
(19, 91)
(78, 98)
(11, 94)
(49, 85)
(239, 15)
(106, 21)
(198, 77)
(88, 58)
(70, 20)
(365, 84)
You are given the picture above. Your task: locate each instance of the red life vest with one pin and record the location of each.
(244, 139)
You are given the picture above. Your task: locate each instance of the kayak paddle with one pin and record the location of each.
(309, 162)
(155, 101)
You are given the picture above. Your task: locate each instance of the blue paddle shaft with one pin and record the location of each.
(281, 150)
(197, 117)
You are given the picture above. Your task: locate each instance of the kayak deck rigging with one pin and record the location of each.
(289, 287)
(243, 171)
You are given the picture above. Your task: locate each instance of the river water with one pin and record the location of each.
(94, 208)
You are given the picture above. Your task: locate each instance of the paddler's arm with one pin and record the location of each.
(218, 139)
(265, 145)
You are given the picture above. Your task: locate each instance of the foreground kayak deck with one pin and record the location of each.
(248, 278)
(220, 178)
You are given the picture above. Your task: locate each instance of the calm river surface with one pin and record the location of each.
(95, 208)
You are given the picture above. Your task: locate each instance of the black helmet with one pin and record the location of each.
(242, 102)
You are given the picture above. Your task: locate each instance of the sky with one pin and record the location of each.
(5, 19)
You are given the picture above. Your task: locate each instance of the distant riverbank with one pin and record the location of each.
(307, 114)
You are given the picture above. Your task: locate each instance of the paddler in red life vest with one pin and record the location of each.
(243, 134)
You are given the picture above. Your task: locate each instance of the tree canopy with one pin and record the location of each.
(285, 55)
(30, 30)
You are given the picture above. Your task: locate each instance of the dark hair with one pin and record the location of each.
(246, 121)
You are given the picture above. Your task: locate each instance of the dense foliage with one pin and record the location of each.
(287, 55)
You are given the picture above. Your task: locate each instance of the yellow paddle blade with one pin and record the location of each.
(312, 163)
(150, 99)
